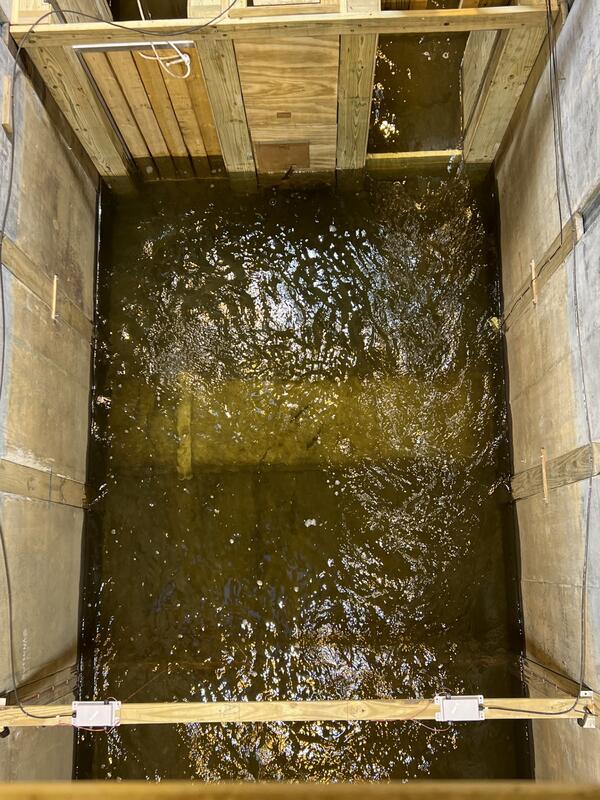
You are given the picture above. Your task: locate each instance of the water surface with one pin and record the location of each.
(299, 465)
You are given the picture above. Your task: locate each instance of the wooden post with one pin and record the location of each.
(225, 92)
(495, 68)
(355, 90)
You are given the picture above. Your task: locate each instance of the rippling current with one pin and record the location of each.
(298, 468)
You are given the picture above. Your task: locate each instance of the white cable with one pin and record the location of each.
(166, 62)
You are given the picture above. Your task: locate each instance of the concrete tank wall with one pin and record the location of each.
(44, 413)
(545, 380)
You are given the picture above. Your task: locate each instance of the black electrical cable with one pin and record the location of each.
(130, 29)
(3, 224)
(560, 164)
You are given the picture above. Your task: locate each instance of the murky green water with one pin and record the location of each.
(299, 460)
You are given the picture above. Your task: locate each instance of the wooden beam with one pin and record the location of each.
(547, 265)
(300, 711)
(75, 96)
(220, 70)
(394, 790)
(495, 69)
(418, 159)
(38, 279)
(576, 465)
(355, 90)
(386, 22)
(37, 484)
(6, 110)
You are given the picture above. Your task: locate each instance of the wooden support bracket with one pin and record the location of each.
(576, 465)
(6, 110)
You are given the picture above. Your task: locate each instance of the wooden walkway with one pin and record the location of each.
(272, 89)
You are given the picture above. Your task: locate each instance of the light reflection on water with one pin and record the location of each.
(299, 449)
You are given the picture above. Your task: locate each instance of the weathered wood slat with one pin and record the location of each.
(388, 22)
(224, 90)
(357, 68)
(188, 122)
(300, 711)
(576, 465)
(36, 484)
(65, 78)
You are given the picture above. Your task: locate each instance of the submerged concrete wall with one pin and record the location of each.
(545, 379)
(44, 413)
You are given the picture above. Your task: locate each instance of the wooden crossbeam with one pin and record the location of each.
(386, 22)
(283, 790)
(303, 711)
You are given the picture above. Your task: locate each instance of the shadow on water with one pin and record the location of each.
(299, 465)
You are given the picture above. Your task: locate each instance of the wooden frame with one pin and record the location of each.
(377, 22)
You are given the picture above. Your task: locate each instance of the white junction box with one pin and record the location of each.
(459, 708)
(96, 713)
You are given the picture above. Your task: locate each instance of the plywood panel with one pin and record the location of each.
(282, 156)
(290, 93)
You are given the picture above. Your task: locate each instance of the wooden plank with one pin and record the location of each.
(153, 78)
(181, 100)
(133, 89)
(545, 681)
(69, 85)
(6, 110)
(47, 689)
(28, 11)
(282, 10)
(257, 790)
(37, 484)
(478, 51)
(115, 99)
(550, 261)
(388, 22)
(419, 159)
(576, 465)
(38, 280)
(224, 90)
(301, 711)
(510, 59)
(289, 87)
(357, 68)
(202, 107)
